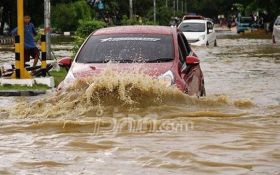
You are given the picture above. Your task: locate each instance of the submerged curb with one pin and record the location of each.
(22, 92)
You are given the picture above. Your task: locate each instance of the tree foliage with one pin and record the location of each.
(67, 13)
(65, 17)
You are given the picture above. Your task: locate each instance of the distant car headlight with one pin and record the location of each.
(167, 78)
(202, 37)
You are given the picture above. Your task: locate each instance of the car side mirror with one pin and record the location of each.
(191, 60)
(65, 62)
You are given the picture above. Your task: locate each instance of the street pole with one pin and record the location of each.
(186, 8)
(47, 25)
(174, 7)
(130, 9)
(155, 12)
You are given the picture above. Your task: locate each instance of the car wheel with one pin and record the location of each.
(207, 44)
(215, 43)
(273, 39)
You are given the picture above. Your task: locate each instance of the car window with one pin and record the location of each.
(277, 22)
(182, 49)
(209, 25)
(246, 20)
(127, 48)
(186, 43)
(192, 27)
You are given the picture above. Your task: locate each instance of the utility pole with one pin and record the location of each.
(186, 8)
(47, 25)
(174, 7)
(155, 12)
(130, 9)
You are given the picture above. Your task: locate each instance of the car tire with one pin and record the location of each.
(215, 43)
(273, 39)
(207, 43)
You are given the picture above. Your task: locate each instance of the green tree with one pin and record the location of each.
(65, 17)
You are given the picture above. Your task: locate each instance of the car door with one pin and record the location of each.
(276, 29)
(210, 33)
(191, 74)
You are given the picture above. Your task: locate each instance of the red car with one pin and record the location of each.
(164, 52)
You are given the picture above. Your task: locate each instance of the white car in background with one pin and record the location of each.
(276, 31)
(199, 32)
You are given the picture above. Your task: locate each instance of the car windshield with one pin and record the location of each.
(127, 48)
(192, 27)
(246, 20)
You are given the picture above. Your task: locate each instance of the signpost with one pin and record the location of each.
(47, 24)
(20, 72)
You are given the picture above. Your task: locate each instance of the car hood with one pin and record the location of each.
(193, 35)
(80, 70)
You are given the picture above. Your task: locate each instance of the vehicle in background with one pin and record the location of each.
(244, 23)
(276, 31)
(199, 32)
(158, 51)
(188, 17)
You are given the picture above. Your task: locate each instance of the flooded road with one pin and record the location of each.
(128, 124)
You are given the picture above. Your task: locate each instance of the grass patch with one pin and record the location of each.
(58, 76)
(62, 39)
(19, 87)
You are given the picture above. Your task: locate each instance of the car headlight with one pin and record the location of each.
(69, 78)
(167, 79)
(202, 37)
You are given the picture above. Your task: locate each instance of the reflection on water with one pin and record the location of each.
(129, 124)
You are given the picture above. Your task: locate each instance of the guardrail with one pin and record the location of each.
(6, 40)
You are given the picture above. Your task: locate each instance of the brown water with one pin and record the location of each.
(129, 124)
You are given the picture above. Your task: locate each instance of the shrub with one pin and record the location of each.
(135, 20)
(86, 27)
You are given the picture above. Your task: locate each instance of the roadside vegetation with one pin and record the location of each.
(66, 14)
(58, 76)
(19, 87)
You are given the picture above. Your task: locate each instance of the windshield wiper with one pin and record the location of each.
(106, 61)
(160, 60)
(124, 61)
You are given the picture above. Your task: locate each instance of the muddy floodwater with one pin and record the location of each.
(130, 124)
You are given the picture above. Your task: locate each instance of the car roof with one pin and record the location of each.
(195, 21)
(190, 17)
(246, 17)
(141, 29)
